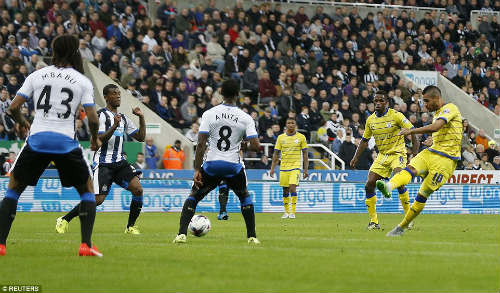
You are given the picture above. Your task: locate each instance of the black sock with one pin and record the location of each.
(223, 198)
(249, 216)
(135, 210)
(87, 217)
(188, 211)
(8, 208)
(73, 213)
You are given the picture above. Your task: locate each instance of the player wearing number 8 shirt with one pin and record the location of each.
(57, 91)
(224, 127)
(436, 163)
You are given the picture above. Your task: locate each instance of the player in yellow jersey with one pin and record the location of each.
(292, 146)
(436, 163)
(384, 125)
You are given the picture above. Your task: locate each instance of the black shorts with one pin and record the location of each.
(120, 173)
(237, 183)
(72, 167)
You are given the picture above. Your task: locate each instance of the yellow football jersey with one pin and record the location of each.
(447, 141)
(291, 147)
(385, 130)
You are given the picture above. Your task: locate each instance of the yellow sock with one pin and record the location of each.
(400, 179)
(286, 200)
(371, 205)
(293, 196)
(404, 198)
(412, 213)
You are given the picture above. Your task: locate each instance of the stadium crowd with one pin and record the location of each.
(321, 69)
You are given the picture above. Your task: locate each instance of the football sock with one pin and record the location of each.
(371, 205)
(248, 213)
(402, 178)
(8, 208)
(286, 201)
(223, 198)
(293, 197)
(135, 210)
(73, 213)
(417, 206)
(188, 211)
(87, 216)
(404, 198)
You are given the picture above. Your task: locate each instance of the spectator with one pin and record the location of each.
(140, 163)
(496, 162)
(192, 134)
(263, 163)
(482, 139)
(266, 88)
(174, 156)
(152, 156)
(492, 150)
(365, 160)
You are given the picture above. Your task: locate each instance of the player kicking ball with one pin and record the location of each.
(293, 148)
(224, 127)
(57, 92)
(436, 163)
(384, 125)
(110, 164)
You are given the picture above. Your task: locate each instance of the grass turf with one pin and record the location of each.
(315, 252)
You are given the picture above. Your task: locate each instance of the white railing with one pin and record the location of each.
(333, 157)
(359, 5)
(474, 14)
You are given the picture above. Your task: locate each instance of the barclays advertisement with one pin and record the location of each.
(313, 197)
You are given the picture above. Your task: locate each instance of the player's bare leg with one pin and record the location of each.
(286, 202)
(8, 208)
(293, 200)
(87, 211)
(404, 197)
(371, 200)
(62, 223)
(135, 188)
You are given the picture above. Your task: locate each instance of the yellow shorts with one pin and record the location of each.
(289, 177)
(385, 164)
(435, 169)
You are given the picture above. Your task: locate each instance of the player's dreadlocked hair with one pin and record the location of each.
(230, 89)
(65, 52)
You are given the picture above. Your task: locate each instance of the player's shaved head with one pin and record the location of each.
(383, 94)
(432, 91)
(230, 89)
(108, 89)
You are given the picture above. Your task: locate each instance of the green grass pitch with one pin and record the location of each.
(313, 253)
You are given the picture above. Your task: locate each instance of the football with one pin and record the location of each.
(199, 225)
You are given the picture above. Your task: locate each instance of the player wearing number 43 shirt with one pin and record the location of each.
(57, 92)
(109, 162)
(224, 127)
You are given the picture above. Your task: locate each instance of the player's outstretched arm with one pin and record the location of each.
(362, 146)
(15, 111)
(198, 159)
(426, 129)
(254, 144)
(108, 133)
(306, 162)
(141, 134)
(415, 144)
(93, 119)
(274, 162)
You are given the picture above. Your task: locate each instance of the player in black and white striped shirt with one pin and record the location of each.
(110, 164)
